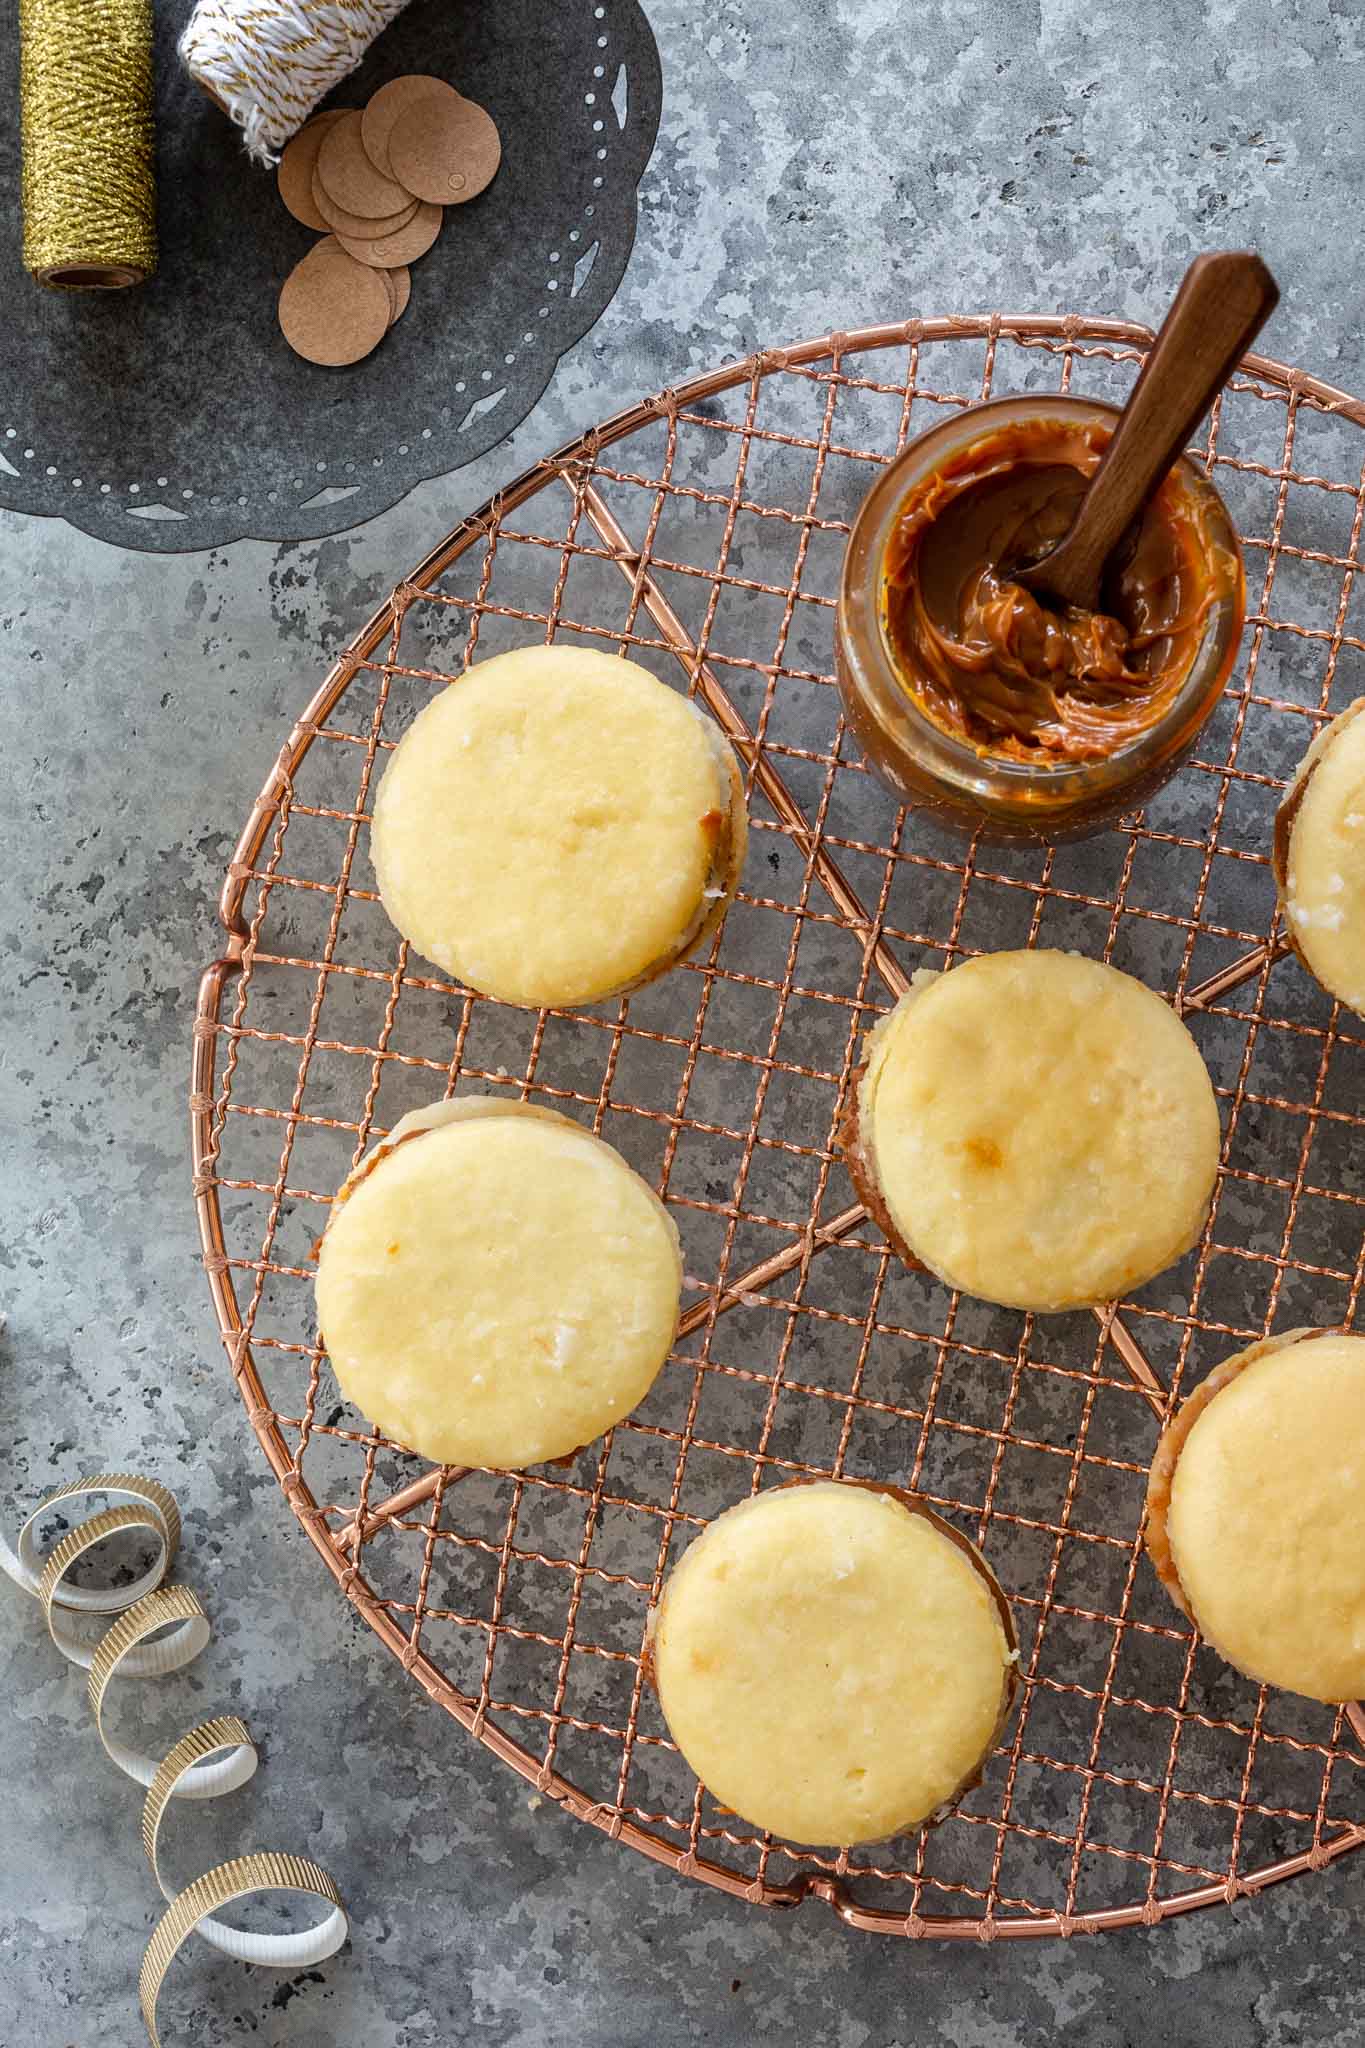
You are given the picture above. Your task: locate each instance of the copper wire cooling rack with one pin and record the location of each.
(702, 533)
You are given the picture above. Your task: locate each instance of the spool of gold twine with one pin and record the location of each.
(89, 179)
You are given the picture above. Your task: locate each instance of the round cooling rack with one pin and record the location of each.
(702, 532)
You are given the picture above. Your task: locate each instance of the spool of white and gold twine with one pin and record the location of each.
(268, 62)
(89, 156)
(159, 1629)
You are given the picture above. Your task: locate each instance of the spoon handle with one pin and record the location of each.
(1222, 304)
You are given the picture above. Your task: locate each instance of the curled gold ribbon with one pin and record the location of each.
(158, 1629)
(266, 1871)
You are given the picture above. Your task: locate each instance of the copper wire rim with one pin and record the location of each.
(1138, 1778)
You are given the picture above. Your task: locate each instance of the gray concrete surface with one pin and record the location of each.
(819, 163)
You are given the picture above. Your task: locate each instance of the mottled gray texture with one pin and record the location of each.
(815, 167)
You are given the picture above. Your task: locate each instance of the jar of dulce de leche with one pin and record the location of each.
(989, 706)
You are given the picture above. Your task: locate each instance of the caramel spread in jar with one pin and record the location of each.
(994, 665)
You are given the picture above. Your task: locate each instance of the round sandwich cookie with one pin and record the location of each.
(834, 1662)
(558, 827)
(1256, 1512)
(1319, 858)
(1036, 1128)
(495, 1286)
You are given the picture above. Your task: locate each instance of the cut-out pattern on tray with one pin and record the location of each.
(175, 417)
(703, 535)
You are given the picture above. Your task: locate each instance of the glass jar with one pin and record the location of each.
(1006, 797)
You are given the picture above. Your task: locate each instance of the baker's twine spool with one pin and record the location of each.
(268, 62)
(89, 177)
(159, 1629)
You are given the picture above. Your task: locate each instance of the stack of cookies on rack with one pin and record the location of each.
(376, 184)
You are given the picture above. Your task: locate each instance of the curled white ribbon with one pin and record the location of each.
(158, 1629)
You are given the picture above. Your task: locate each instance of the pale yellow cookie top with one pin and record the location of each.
(831, 1664)
(500, 1288)
(557, 825)
(1324, 890)
(1041, 1127)
(1266, 1519)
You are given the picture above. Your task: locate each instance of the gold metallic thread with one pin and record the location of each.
(89, 175)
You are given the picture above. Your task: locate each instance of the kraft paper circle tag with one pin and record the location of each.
(297, 165)
(405, 246)
(444, 153)
(359, 227)
(391, 100)
(333, 310)
(348, 177)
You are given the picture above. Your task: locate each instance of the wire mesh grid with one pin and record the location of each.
(702, 534)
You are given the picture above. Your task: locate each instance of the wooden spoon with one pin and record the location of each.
(1225, 299)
